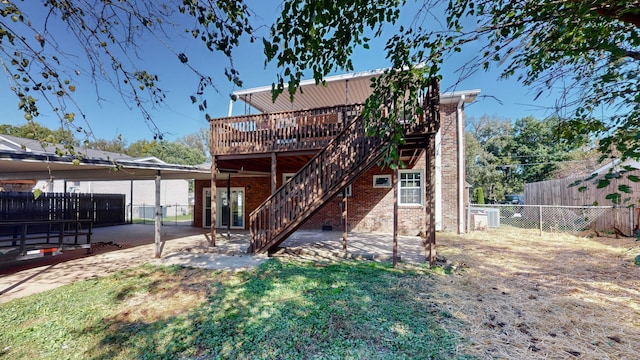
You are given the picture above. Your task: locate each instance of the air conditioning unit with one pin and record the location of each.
(493, 215)
(479, 221)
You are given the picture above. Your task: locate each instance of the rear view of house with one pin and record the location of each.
(310, 164)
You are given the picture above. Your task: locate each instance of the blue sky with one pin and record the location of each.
(112, 116)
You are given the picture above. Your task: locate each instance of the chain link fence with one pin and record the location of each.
(552, 218)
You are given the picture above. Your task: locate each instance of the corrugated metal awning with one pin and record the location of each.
(27, 165)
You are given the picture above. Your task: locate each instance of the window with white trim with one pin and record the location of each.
(410, 187)
(287, 176)
(347, 190)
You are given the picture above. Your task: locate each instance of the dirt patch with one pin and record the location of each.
(522, 295)
(168, 294)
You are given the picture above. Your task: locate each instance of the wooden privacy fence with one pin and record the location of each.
(102, 209)
(622, 219)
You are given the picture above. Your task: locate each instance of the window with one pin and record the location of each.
(410, 187)
(286, 177)
(346, 190)
(381, 181)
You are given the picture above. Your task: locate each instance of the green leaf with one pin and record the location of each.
(591, 177)
(575, 183)
(603, 183)
(36, 193)
(614, 197)
(625, 189)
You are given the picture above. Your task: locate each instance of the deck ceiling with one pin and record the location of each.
(262, 164)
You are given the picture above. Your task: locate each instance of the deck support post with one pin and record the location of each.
(214, 174)
(395, 214)
(131, 201)
(229, 207)
(274, 172)
(344, 219)
(429, 192)
(158, 220)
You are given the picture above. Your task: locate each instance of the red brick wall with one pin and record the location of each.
(370, 209)
(363, 200)
(256, 190)
(449, 151)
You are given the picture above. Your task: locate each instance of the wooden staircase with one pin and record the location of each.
(344, 159)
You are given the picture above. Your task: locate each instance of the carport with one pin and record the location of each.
(26, 165)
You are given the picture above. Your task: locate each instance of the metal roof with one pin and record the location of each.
(353, 88)
(8, 142)
(26, 165)
(22, 159)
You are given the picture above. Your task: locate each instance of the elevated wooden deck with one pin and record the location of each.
(280, 132)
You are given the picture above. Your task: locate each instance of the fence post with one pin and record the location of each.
(540, 218)
(469, 216)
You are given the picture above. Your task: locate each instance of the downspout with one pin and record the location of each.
(131, 202)
(230, 108)
(460, 165)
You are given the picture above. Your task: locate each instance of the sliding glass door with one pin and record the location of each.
(229, 209)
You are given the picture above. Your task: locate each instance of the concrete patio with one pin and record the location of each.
(119, 247)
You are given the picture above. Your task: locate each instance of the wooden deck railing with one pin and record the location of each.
(285, 131)
(344, 158)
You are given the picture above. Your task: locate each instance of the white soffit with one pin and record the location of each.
(455, 96)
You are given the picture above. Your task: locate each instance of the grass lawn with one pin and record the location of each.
(284, 309)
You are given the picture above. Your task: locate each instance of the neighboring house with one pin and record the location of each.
(255, 154)
(174, 193)
(587, 193)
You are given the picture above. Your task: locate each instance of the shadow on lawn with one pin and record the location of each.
(291, 310)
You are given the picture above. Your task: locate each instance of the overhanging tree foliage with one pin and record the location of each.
(46, 47)
(588, 48)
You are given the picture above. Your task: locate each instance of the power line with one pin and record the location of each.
(532, 164)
